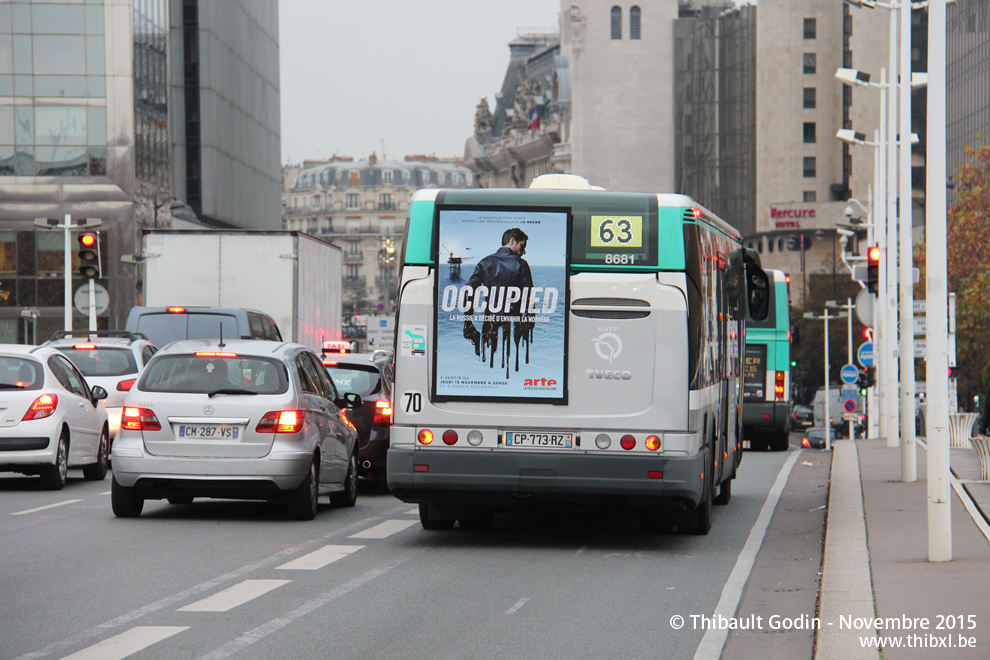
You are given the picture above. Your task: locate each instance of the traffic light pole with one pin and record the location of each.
(849, 307)
(66, 226)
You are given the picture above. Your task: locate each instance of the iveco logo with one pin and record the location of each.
(608, 346)
(609, 375)
(208, 410)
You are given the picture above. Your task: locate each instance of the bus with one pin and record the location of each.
(767, 379)
(569, 346)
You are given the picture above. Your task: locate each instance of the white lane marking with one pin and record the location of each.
(101, 629)
(713, 641)
(106, 492)
(383, 530)
(235, 646)
(231, 597)
(126, 643)
(320, 558)
(42, 508)
(518, 606)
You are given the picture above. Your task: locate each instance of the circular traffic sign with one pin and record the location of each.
(850, 405)
(865, 354)
(849, 373)
(81, 298)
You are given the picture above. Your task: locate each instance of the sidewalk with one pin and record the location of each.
(875, 522)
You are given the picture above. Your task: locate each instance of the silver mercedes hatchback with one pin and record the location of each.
(238, 420)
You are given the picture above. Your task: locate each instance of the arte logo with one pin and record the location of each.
(608, 346)
(539, 382)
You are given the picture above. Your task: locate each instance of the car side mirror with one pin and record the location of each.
(351, 400)
(98, 393)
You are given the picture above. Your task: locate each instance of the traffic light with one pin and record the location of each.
(867, 378)
(89, 255)
(873, 269)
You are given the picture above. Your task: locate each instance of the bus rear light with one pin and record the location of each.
(474, 438)
(778, 387)
(449, 437)
(602, 441)
(126, 385)
(425, 437)
(627, 442)
(766, 415)
(654, 474)
(421, 468)
(139, 419)
(653, 443)
(42, 407)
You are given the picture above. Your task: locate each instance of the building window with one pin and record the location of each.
(424, 177)
(386, 176)
(441, 178)
(770, 245)
(810, 98)
(353, 200)
(634, 22)
(386, 202)
(353, 248)
(809, 167)
(354, 177)
(809, 132)
(353, 225)
(616, 22)
(809, 28)
(353, 271)
(455, 179)
(810, 62)
(810, 196)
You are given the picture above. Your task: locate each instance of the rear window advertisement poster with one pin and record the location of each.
(501, 305)
(755, 371)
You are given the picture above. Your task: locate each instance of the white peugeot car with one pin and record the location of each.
(109, 358)
(50, 419)
(241, 419)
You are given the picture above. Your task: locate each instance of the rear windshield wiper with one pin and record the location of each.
(8, 386)
(230, 391)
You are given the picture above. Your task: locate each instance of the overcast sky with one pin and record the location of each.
(410, 73)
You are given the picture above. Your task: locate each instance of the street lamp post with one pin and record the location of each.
(827, 422)
(849, 307)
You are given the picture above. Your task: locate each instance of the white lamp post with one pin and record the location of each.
(827, 422)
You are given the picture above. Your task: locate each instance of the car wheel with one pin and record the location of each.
(725, 492)
(303, 500)
(348, 497)
(126, 502)
(53, 477)
(428, 520)
(98, 470)
(698, 520)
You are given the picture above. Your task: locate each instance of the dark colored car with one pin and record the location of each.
(163, 325)
(803, 416)
(815, 438)
(370, 376)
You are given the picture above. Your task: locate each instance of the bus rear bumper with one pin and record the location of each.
(766, 415)
(515, 479)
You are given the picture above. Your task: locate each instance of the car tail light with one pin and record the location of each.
(126, 385)
(329, 363)
(281, 421)
(383, 412)
(177, 310)
(795, 416)
(602, 441)
(653, 443)
(449, 437)
(805, 442)
(42, 407)
(84, 347)
(627, 442)
(425, 436)
(778, 387)
(139, 419)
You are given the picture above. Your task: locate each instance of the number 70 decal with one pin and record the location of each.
(412, 402)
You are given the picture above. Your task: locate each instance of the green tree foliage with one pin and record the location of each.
(968, 243)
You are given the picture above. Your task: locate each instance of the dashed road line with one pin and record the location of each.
(231, 597)
(383, 530)
(518, 606)
(126, 643)
(43, 508)
(320, 558)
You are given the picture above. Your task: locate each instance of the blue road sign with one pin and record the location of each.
(865, 354)
(849, 373)
(850, 405)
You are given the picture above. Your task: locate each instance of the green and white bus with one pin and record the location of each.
(767, 383)
(569, 346)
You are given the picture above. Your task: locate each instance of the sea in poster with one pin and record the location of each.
(494, 365)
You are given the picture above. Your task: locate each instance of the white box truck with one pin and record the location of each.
(293, 277)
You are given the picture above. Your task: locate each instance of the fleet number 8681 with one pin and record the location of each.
(620, 259)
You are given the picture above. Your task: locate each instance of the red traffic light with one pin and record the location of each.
(87, 240)
(873, 255)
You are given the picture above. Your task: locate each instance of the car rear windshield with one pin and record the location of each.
(167, 327)
(356, 378)
(20, 374)
(205, 374)
(102, 361)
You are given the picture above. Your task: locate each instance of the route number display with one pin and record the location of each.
(616, 231)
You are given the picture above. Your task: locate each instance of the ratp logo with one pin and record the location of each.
(608, 346)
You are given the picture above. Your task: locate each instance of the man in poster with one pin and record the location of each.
(499, 270)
